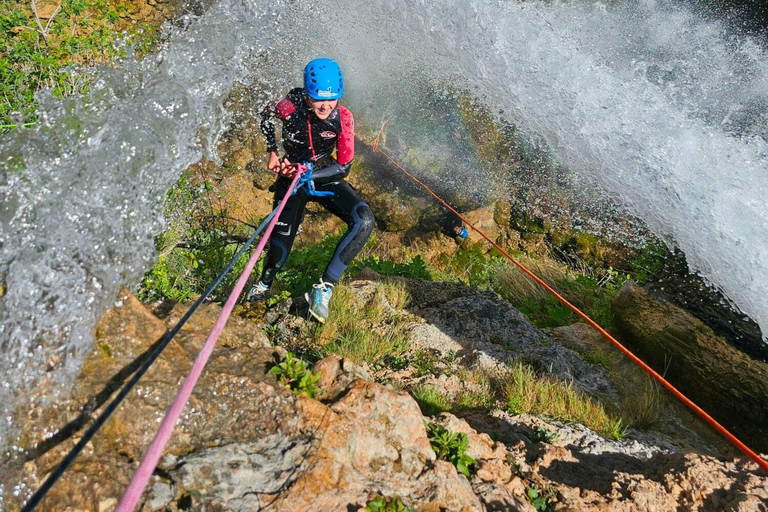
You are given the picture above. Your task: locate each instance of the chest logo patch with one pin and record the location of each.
(327, 135)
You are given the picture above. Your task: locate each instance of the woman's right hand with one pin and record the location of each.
(282, 167)
(274, 161)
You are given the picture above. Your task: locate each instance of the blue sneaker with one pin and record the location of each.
(257, 292)
(318, 299)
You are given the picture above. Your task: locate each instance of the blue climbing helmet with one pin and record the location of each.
(323, 79)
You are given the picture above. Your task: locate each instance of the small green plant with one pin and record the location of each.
(451, 447)
(396, 362)
(277, 298)
(382, 504)
(425, 363)
(543, 435)
(649, 261)
(597, 357)
(296, 375)
(539, 500)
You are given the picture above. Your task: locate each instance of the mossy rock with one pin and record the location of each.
(728, 384)
(533, 243)
(392, 213)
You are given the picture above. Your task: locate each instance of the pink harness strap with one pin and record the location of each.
(152, 456)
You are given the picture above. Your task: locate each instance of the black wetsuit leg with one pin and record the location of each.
(285, 231)
(344, 203)
(349, 207)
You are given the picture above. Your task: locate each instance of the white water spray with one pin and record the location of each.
(81, 195)
(665, 112)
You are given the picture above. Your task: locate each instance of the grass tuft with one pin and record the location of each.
(431, 401)
(525, 392)
(360, 333)
(642, 409)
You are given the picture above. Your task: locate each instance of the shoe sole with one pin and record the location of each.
(321, 320)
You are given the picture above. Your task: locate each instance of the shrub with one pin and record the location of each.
(198, 244)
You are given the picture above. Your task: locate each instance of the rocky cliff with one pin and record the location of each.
(247, 442)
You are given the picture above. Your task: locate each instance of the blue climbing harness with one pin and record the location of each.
(308, 183)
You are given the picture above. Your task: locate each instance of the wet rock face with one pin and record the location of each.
(722, 380)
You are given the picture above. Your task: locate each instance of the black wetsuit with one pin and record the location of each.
(306, 138)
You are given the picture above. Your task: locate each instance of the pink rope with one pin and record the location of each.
(152, 456)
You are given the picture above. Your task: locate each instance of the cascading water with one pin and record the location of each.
(663, 111)
(82, 194)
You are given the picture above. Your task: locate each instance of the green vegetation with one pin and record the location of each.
(474, 265)
(543, 435)
(426, 363)
(415, 267)
(475, 400)
(520, 390)
(431, 401)
(587, 292)
(451, 447)
(349, 331)
(648, 261)
(296, 375)
(640, 401)
(539, 500)
(38, 39)
(525, 392)
(597, 357)
(382, 504)
(199, 243)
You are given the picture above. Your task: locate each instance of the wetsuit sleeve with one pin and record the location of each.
(267, 126)
(345, 152)
(283, 109)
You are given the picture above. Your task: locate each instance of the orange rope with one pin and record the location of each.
(698, 410)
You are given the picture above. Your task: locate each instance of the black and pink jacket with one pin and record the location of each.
(306, 138)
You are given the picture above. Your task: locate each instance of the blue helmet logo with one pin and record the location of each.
(323, 79)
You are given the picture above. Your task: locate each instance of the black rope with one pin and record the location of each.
(70, 457)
